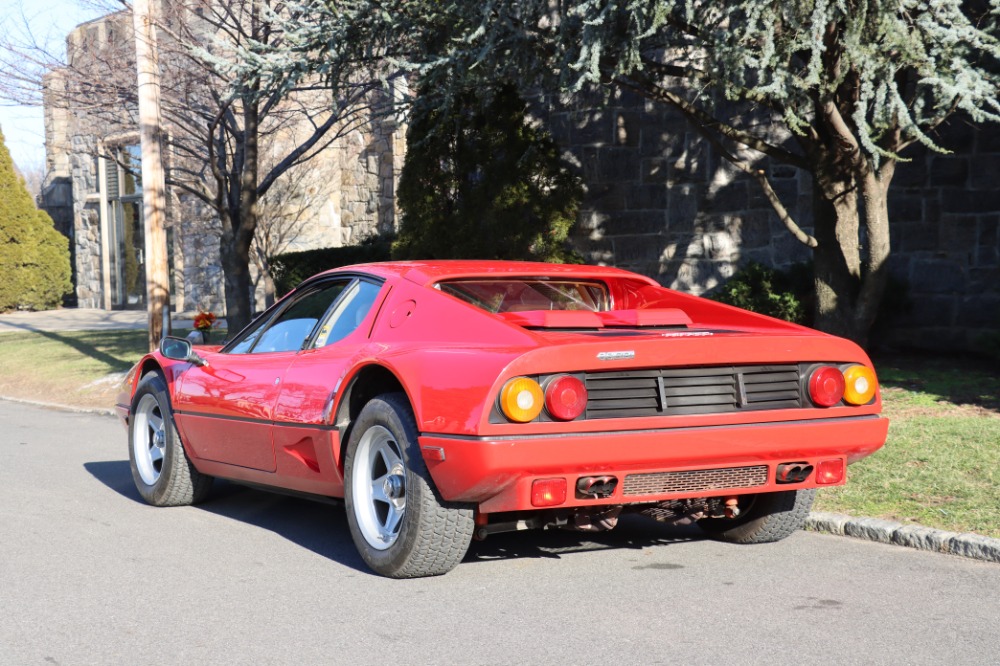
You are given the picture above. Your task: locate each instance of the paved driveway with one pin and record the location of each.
(91, 575)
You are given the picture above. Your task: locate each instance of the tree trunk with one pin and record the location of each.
(239, 224)
(236, 269)
(853, 245)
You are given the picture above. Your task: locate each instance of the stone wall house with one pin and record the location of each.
(341, 196)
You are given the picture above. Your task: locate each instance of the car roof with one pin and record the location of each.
(429, 272)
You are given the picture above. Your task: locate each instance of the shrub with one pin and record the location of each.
(34, 257)
(791, 295)
(288, 270)
(787, 295)
(480, 182)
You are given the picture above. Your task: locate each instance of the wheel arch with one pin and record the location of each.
(169, 373)
(366, 383)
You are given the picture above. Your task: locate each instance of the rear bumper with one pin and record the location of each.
(496, 473)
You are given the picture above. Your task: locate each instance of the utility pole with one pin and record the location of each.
(153, 181)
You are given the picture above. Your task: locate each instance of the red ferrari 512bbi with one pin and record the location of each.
(448, 400)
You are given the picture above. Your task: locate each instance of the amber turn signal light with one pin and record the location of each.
(521, 399)
(860, 385)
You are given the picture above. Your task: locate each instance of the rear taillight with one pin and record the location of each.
(826, 386)
(860, 385)
(565, 397)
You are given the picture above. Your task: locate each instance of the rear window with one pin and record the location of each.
(521, 294)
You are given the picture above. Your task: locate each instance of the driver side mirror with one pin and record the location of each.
(180, 349)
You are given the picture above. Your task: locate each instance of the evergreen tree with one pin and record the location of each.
(34, 257)
(480, 182)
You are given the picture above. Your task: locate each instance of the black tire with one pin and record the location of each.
(768, 517)
(401, 526)
(161, 470)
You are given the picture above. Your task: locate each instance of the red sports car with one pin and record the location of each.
(448, 400)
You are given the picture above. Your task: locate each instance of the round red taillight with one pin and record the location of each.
(565, 397)
(826, 386)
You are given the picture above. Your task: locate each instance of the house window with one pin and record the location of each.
(127, 244)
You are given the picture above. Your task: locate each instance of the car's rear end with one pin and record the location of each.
(695, 411)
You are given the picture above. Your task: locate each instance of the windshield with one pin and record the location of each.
(519, 294)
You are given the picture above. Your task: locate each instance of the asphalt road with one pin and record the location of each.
(91, 575)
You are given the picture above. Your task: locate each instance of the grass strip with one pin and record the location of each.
(939, 466)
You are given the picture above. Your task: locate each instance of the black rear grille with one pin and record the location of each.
(705, 390)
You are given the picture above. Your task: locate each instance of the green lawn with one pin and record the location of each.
(78, 368)
(75, 368)
(939, 467)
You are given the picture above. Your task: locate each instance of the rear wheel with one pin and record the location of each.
(398, 521)
(161, 470)
(767, 517)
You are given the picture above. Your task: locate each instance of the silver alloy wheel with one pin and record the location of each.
(149, 440)
(378, 487)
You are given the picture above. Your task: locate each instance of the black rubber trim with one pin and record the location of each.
(245, 419)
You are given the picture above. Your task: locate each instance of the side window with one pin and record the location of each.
(348, 314)
(290, 329)
(243, 345)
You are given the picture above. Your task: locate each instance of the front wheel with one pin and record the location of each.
(161, 470)
(398, 521)
(765, 518)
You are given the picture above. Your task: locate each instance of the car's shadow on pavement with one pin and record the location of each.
(633, 532)
(317, 526)
(322, 528)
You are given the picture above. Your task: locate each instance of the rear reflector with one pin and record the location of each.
(829, 472)
(548, 492)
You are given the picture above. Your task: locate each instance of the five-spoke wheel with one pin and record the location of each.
(379, 487)
(400, 524)
(161, 470)
(150, 439)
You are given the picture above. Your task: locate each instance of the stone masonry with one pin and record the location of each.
(347, 190)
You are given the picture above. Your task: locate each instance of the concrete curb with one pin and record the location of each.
(968, 545)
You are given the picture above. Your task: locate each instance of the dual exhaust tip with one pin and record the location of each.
(794, 472)
(596, 487)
